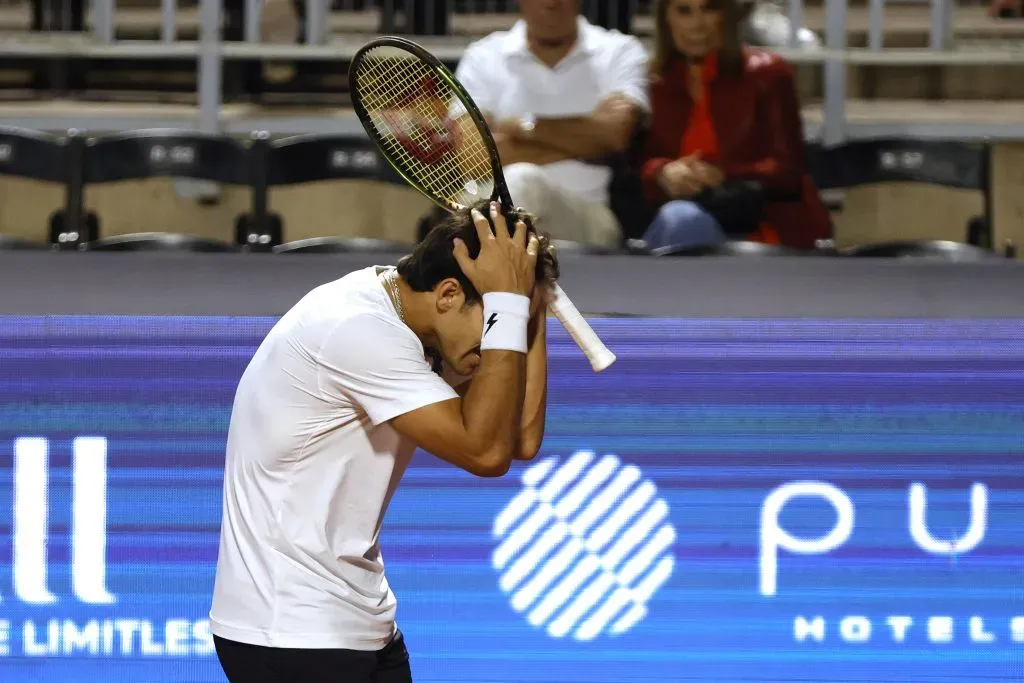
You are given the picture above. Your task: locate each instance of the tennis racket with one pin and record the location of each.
(430, 131)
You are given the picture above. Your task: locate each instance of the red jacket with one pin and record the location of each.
(756, 116)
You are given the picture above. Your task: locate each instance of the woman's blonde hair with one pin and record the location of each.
(730, 53)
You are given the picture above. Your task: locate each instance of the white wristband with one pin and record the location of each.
(506, 317)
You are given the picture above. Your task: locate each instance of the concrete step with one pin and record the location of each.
(947, 118)
(993, 75)
(958, 82)
(870, 214)
(906, 25)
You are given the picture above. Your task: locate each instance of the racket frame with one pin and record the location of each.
(500, 190)
(597, 353)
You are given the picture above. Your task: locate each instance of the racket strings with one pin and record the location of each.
(413, 110)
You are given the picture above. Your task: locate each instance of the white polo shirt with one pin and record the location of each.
(507, 81)
(311, 467)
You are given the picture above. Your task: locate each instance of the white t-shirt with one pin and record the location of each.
(311, 467)
(507, 81)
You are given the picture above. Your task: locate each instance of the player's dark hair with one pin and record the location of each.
(433, 259)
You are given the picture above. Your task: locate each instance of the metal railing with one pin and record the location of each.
(456, 22)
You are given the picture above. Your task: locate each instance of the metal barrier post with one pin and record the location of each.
(387, 17)
(253, 9)
(103, 19)
(796, 20)
(942, 24)
(316, 22)
(210, 64)
(876, 20)
(168, 19)
(835, 72)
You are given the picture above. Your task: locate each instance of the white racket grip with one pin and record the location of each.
(599, 355)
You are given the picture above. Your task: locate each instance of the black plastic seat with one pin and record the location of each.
(943, 250)
(304, 159)
(342, 245)
(33, 155)
(166, 153)
(160, 241)
(737, 248)
(945, 163)
(310, 158)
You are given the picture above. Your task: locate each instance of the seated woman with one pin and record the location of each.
(724, 158)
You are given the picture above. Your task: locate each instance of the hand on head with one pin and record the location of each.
(506, 263)
(548, 269)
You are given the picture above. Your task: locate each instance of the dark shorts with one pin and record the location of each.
(244, 663)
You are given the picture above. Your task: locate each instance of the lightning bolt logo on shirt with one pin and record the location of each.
(490, 322)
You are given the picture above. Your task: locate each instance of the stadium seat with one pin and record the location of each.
(32, 155)
(153, 153)
(737, 248)
(160, 241)
(889, 160)
(307, 159)
(336, 245)
(936, 250)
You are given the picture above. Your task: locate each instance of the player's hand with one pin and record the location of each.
(548, 268)
(506, 263)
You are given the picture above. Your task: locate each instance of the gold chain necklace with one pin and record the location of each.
(391, 283)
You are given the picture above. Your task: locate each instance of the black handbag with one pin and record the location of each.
(737, 206)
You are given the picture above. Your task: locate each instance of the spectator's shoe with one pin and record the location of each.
(768, 26)
(279, 24)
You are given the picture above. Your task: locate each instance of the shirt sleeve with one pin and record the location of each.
(472, 74)
(627, 73)
(378, 364)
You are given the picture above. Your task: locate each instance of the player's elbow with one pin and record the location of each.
(491, 465)
(482, 457)
(528, 449)
(493, 460)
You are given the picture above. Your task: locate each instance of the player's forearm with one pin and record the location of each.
(492, 410)
(531, 432)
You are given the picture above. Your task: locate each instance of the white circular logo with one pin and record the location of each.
(583, 546)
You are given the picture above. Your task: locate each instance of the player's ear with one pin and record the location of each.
(449, 295)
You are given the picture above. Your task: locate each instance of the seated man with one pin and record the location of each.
(559, 92)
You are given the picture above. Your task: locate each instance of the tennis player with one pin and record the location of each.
(325, 420)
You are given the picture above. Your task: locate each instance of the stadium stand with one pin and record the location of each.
(938, 71)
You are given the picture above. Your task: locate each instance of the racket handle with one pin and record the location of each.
(599, 355)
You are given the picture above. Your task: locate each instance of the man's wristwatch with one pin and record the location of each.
(527, 126)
